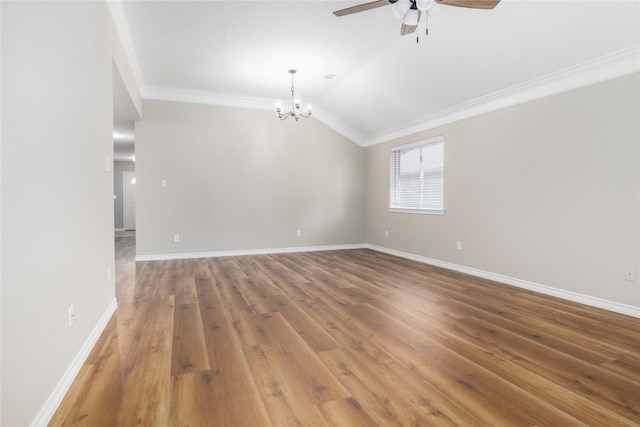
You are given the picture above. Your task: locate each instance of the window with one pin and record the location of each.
(417, 177)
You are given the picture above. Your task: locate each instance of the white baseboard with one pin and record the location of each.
(628, 310)
(55, 398)
(53, 401)
(163, 257)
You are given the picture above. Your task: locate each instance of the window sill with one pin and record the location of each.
(418, 211)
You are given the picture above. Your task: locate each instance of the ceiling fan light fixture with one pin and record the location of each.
(401, 7)
(412, 17)
(424, 5)
(410, 11)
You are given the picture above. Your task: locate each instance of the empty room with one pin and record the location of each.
(320, 213)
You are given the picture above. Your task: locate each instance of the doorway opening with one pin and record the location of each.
(124, 167)
(129, 200)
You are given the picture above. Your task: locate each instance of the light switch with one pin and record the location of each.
(107, 165)
(163, 183)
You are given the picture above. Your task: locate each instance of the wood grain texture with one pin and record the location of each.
(348, 338)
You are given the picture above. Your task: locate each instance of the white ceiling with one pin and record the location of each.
(238, 53)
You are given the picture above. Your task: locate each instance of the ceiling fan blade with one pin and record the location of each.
(473, 4)
(361, 7)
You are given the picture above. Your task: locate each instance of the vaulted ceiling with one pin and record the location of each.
(384, 84)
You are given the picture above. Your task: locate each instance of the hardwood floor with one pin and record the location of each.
(348, 338)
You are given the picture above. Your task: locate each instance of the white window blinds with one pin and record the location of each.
(417, 176)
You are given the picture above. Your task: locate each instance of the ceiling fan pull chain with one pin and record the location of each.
(426, 22)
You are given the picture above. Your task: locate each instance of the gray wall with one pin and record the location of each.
(118, 191)
(241, 179)
(545, 192)
(57, 201)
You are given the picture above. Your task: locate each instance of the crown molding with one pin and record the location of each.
(122, 28)
(617, 64)
(230, 100)
(159, 93)
(339, 126)
(608, 67)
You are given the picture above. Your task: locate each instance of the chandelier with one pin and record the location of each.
(296, 105)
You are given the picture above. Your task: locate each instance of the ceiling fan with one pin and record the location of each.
(412, 9)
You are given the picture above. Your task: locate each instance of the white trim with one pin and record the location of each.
(418, 211)
(626, 309)
(339, 126)
(122, 28)
(159, 93)
(243, 252)
(209, 98)
(617, 64)
(119, 229)
(428, 141)
(607, 67)
(53, 401)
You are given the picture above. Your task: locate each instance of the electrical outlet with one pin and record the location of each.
(176, 238)
(298, 233)
(630, 274)
(163, 183)
(72, 315)
(386, 233)
(459, 245)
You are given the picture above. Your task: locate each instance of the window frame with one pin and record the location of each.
(392, 157)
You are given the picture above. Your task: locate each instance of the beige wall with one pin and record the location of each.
(240, 179)
(545, 192)
(57, 201)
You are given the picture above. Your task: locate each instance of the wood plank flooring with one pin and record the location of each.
(348, 338)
